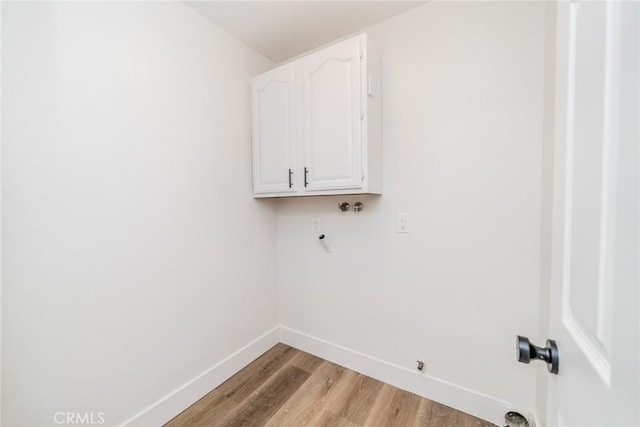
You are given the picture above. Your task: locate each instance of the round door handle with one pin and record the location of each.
(525, 352)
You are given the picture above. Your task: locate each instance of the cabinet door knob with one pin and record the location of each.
(306, 171)
(290, 175)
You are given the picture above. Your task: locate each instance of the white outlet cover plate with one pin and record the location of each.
(402, 225)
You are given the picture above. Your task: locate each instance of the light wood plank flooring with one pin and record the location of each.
(288, 387)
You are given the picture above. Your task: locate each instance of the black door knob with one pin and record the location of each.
(526, 351)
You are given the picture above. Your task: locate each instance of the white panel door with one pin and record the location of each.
(332, 117)
(273, 146)
(595, 280)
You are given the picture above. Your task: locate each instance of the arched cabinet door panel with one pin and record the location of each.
(332, 117)
(274, 132)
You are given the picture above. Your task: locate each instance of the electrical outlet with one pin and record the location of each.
(315, 224)
(402, 225)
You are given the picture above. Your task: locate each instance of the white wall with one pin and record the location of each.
(134, 257)
(462, 131)
(1, 233)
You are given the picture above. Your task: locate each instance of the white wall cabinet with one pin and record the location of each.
(317, 124)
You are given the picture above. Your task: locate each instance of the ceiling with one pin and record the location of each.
(283, 29)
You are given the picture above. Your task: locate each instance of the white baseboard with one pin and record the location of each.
(477, 404)
(183, 397)
(438, 390)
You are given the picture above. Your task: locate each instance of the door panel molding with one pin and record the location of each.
(593, 338)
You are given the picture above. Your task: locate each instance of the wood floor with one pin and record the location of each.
(288, 387)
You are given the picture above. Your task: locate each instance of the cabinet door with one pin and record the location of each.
(273, 147)
(332, 116)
